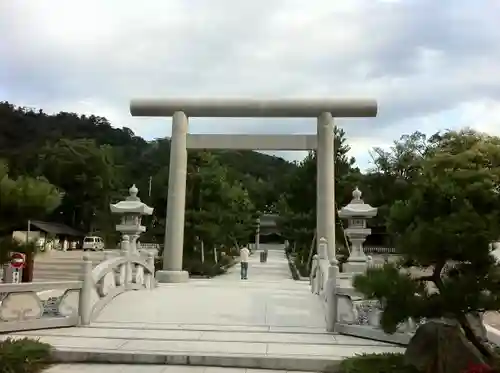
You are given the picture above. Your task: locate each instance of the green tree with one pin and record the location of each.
(24, 198)
(297, 206)
(87, 174)
(218, 211)
(391, 177)
(25, 133)
(446, 228)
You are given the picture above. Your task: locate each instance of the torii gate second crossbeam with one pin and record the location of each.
(323, 142)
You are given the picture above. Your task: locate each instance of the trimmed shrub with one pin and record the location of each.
(291, 265)
(196, 268)
(376, 363)
(226, 261)
(24, 356)
(302, 268)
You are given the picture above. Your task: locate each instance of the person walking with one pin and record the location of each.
(244, 254)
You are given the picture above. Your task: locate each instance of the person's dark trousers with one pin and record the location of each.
(244, 270)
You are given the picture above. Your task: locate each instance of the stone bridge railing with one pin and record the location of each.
(361, 317)
(30, 306)
(320, 268)
(46, 305)
(111, 278)
(348, 312)
(323, 281)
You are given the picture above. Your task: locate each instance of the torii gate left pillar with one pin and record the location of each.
(180, 110)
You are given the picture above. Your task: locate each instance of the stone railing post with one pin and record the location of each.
(124, 246)
(150, 261)
(323, 263)
(126, 250)
(134, 250)
(85, 300)
(331, 295)
(313, 277)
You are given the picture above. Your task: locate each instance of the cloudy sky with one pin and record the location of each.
(431, 64)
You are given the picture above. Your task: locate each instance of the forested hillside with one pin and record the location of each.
(93, 164)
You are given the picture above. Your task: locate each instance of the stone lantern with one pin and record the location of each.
(356, 213)
(131, 210)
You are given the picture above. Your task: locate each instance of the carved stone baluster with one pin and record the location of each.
(21, 306)
(346, 311)
(85, 306)
(126, 270)
(314, 275)
(149, 279)
(323, 264)
(331, 295)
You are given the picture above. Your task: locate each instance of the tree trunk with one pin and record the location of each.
(202, 251)
(460, 317)
(27, 275)
(311, 250)
(473, 338)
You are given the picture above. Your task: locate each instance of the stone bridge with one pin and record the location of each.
(269, 322)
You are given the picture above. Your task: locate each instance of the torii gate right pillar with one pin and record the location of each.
(325, 198)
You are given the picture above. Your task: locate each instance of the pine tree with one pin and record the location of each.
(297, 206)
(444, 230)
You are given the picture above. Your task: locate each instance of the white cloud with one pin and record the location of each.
(431, 65)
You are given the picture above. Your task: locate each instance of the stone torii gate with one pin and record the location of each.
(181, 109)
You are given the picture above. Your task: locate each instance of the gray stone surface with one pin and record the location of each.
(171, 277)
(269, 321)
(124, 368)
(251, 142)
(176, 201)
(240, 108)
(325, 183)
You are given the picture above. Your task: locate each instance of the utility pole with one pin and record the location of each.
(149, 200)
(28, 232)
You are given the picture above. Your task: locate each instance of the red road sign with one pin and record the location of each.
(17, 260)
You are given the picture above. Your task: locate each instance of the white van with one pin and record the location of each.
(93, 243)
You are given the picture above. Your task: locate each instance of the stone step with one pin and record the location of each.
(56, 277)
(59, 274)
(65, 266)
(72, 256)
(151, 368)
(59, 267)
(67, 260)
(204, 345)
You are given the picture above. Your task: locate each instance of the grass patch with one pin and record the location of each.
(24, 356)
(376, 363)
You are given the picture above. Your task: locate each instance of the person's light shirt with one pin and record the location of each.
(244, 254)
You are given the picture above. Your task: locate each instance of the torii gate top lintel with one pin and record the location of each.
(253, 108)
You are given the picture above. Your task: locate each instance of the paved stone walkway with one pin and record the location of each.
(267, 321)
